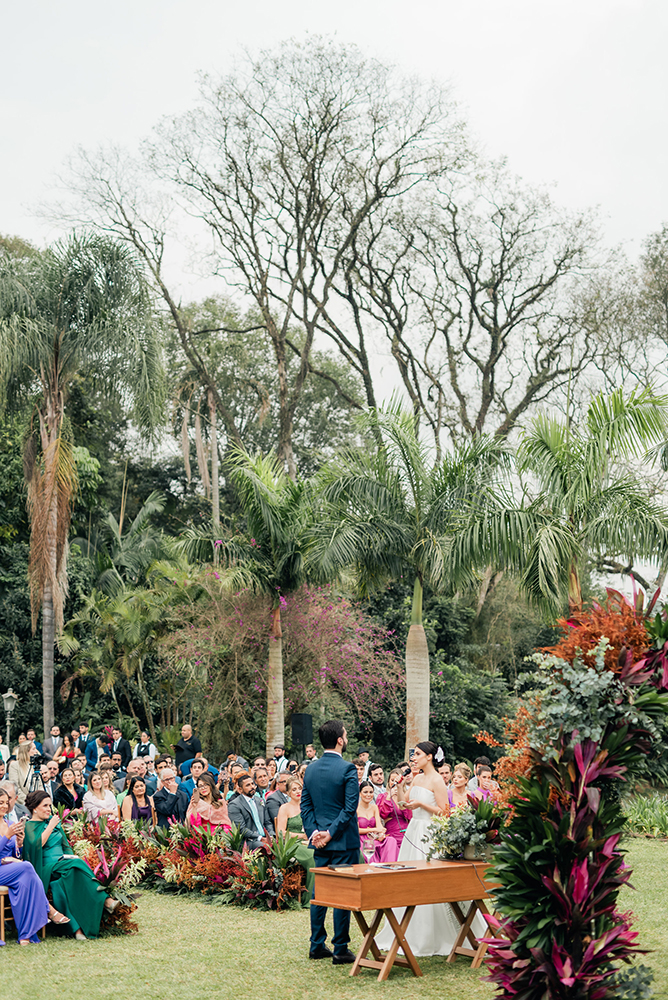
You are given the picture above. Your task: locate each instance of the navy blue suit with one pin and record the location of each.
(329, 803)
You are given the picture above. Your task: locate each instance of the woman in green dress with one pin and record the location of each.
(75, 890)
(289, 821)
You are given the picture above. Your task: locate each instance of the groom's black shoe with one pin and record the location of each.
(320, 952)
(345, 958)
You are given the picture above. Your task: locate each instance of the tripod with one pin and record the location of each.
(37, 781)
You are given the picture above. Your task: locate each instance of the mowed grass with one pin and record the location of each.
(191, 950)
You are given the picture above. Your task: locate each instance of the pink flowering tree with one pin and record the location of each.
(332, 655)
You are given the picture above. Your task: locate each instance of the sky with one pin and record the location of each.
(574, 94)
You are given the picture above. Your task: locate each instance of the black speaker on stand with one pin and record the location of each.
(302, 731)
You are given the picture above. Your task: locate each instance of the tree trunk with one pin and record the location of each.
(215, 484)
(275, 705)
(417, 675)
(146, 703)
(48, 643)
(574, 589)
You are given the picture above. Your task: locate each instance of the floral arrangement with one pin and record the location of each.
(476, 824)
(559, 861)
(183, 859)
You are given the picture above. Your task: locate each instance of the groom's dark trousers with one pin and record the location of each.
(329, 803)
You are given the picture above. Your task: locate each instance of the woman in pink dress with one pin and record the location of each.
(368, 820)
(207, 806)
(395, 819)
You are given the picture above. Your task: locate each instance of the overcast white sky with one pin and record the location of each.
(573, 93)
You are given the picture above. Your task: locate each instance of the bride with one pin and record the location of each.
(434, 928)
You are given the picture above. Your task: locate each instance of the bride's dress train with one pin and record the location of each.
(434, 927)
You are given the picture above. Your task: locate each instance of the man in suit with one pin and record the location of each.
(53, 744)
(247, 811)
(329, 814)
(84, 737)
(31, 737)
(171, 800)
(93, 750)
(197, 768)
(121, 746)
(50, 786)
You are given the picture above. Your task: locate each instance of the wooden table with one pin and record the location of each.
(365, 887)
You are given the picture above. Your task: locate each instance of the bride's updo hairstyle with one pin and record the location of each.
(429, 748)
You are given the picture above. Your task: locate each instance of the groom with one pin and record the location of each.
(329, 815)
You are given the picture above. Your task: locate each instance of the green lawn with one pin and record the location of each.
(186, 949)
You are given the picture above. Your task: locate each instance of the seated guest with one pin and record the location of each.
(48, 785)
(137, 769)
(359, 764)
(395, 818)
(64, 753)
(261, 779)
(271, 768)
(228, 785)
(137, 804)
(31, 909)
(259, 762)
(75, 891)
(107, 775)
(69, 794)
(79, 768)
(197, 769)
(289, 821)
(186, 768)
(165, 760)
(98, 802)
(16, 810)
(301, 770)
(117, 766)
(3, 769)
(247, 811)
(171, 799)
(145, 748)
(207, 803)
(377, 779)
(20, 770)
(234, 758)
(368, 820)
(274, 800)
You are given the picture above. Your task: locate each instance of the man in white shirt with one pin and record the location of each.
(377, 779)
(364, 754)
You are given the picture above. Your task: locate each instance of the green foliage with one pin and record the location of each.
(647, 814)
(449, 835)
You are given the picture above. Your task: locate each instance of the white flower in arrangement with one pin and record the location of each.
(133, 874)
(83, 847)
(128, 829)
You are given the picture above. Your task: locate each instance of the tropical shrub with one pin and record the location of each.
(559, 861)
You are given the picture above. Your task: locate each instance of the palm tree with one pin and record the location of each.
(587, 505)
(120, 558)
(391, 514)
(82, 305)
(119, 632)
(269, 555)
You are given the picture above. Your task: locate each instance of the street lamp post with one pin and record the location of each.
(9, 699)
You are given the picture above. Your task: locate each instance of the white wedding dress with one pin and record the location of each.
(433, 928)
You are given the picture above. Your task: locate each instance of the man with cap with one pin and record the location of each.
(279, 757)
(364, 755)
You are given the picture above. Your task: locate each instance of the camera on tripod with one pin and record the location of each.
(38, 761)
